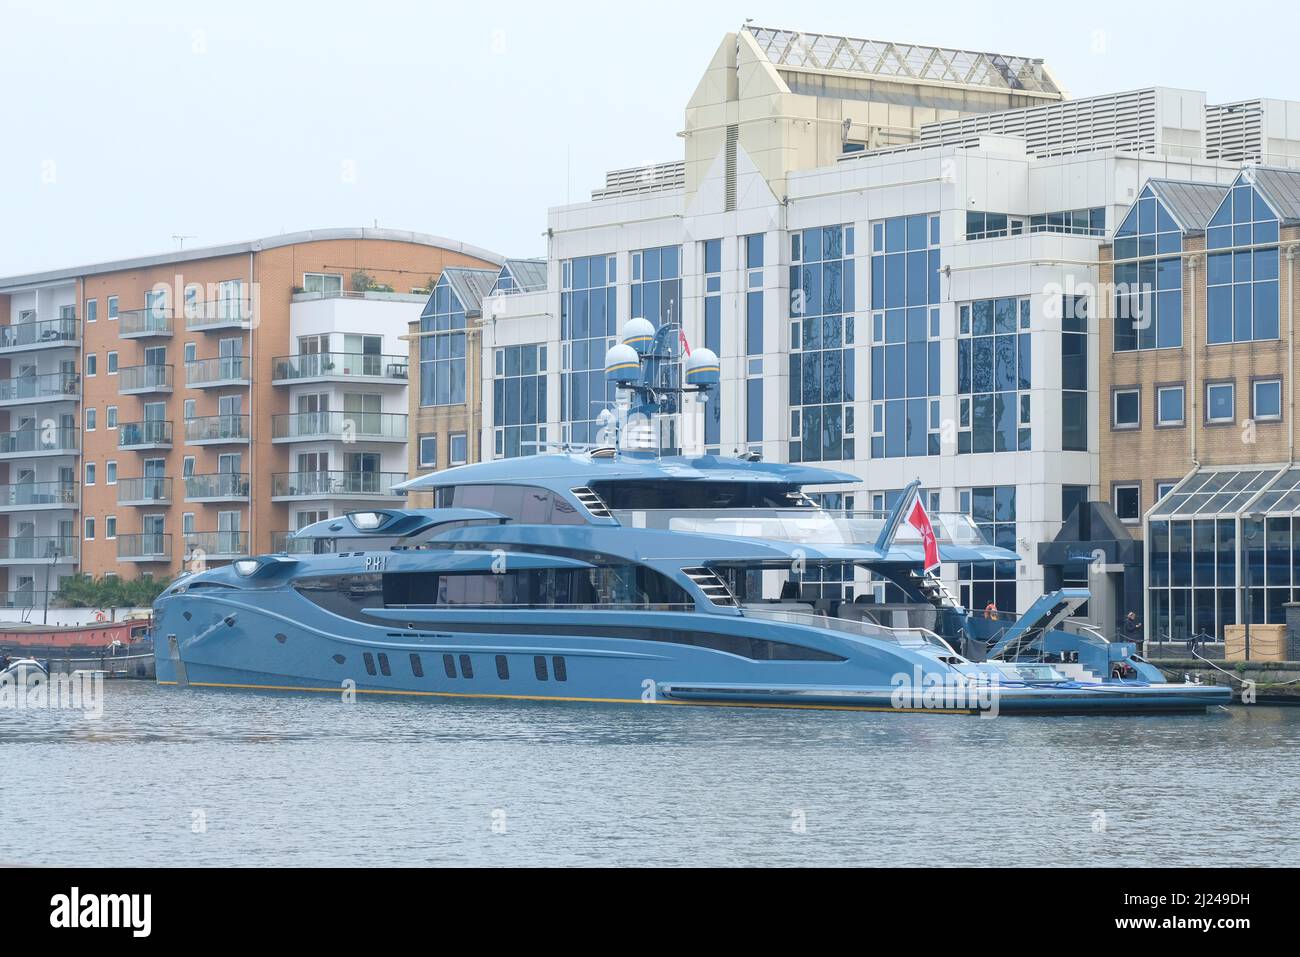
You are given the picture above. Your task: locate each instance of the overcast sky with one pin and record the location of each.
(127, 122)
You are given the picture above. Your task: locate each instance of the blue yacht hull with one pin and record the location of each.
(233, 642)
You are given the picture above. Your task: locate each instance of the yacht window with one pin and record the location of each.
(698, 495)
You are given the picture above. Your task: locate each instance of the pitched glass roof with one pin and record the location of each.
(1232, 492)
(880, 58)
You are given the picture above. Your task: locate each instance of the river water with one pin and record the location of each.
(187, 777)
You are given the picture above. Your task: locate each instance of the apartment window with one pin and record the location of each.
(1169, 406)
(90, 420)
(1128, 503)
(994, 376)
(112, 363)
(1163, 489)
(112, 307)
(713, 335)
(322, 282)
(191, 352)
(92, 310)
(519, 399)
(1220, 403)
(190, 408)
(90, 529)
(428, 451)
(110, 417)
(110, 473)
(443, 347)
(459, 448)
(588, 325)
(1127, 405)
(1148, 278)
(1267, 400)
(1074, 373)
(90, 473)
(1242, 268)
(187, 467)
(92, 364)
(110, 526)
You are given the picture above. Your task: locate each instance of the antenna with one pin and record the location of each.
(179, 239)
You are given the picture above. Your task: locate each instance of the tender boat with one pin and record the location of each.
(632, 577)
(23, 671)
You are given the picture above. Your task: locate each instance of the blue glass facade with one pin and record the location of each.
(713, 337)
(994, 376)
(821, 345)
(1243, 281)
(1148, 278)
(442, 357)
(588, 327)
(905, 371)
(994, 511)
(657, 284)
(1074, 375)
(519, 400)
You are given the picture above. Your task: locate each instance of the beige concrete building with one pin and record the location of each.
(188, 407)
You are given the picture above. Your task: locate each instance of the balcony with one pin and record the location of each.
(340, 367)
(145, 324)
(26, 598)
(291, 486)
(149, 547)
(29, 336)
(144, 436)
(219, 373)
(217, 487)
(339, 426)
(37, 496)
(217, 430)
(144, 491)
(35, 443)
(285, 543)
(142, 380)
(219, 314)
(215, 546)
(34, 389)
(39, 551)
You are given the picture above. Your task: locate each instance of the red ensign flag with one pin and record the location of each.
(919, 519)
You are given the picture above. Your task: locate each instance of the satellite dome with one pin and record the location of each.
(639, 334)
(622, 364)
(700, 368)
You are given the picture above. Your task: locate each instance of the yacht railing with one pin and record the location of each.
(602, 606)
(908, 637)
(799, 525)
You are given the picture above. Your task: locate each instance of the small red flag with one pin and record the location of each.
(686, 346)
(920, 520)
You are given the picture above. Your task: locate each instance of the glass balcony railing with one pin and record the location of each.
(220, 371)
(26, 598)
(144, 491)
(284, 542)
(200, 545)
(149, 547)
(340, 365)
(219, 314)
(56, 333)
(39, 549)
(39, 442)
(345, 426)
(217, 428)
(143, 323)
(219, 485)
(34, 388)
(39, 495)
(149, 378)
(322, 484)
(149, 434)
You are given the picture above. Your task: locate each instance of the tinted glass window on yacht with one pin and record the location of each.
(522, 503)
(704, 495)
